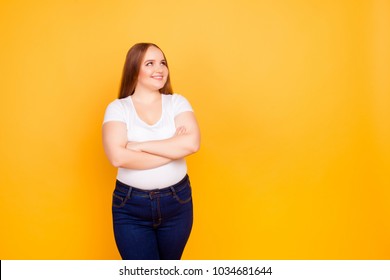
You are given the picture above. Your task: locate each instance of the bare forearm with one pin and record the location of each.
(137, 160)
(114, 143)
(173, 148)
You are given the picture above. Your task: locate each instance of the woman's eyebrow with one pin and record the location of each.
(152, 60)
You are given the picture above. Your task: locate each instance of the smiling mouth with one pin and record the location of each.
(158, 77)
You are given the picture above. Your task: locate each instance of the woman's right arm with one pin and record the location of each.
(114, 143)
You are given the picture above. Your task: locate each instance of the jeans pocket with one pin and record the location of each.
(118, 200)
(184, 196)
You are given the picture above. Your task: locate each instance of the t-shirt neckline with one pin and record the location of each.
(141, 120)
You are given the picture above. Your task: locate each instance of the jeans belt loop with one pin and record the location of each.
(153, 194)
(129, 192)
(173, 191)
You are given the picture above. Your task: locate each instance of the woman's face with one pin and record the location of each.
(153, 72)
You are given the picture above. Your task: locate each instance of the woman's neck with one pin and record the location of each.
(144, 96)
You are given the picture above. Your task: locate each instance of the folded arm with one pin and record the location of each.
(114, 143)
(186, 141)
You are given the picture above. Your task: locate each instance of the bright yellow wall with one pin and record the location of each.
(292, 98)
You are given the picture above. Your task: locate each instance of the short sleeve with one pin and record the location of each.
(180, 104)
(115, 111)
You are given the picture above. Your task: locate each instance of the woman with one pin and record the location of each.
(147, 133)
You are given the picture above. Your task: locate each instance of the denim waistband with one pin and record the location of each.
(132, 191)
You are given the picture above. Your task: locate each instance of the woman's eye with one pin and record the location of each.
(163, 63)
(149, 63)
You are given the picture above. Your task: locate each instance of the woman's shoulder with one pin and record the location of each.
(119, 105)
(117, 110)
(119, 102)
(178, 103)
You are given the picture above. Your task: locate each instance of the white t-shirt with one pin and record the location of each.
(123, 110)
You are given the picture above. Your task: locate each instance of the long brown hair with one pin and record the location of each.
(131, 70)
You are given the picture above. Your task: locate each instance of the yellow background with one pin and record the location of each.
(292, 97)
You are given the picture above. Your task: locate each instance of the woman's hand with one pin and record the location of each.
(181, 130)
(184, 142)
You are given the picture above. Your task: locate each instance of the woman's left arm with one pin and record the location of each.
(180, 145)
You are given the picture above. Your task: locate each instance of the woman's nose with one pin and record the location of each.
(159, 68)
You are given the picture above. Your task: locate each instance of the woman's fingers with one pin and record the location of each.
(180, 130)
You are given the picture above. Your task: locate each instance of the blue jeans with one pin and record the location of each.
(152, 225)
